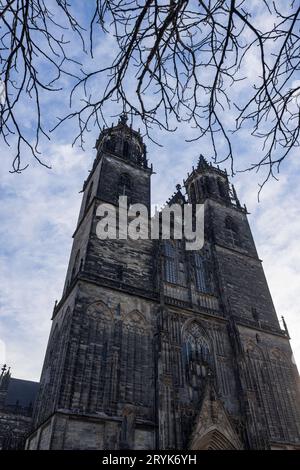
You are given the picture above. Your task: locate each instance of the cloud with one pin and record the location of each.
(40, 208)
(39, 211)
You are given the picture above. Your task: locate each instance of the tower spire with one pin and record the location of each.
(3, 369)
(123, 118)
(202, 162)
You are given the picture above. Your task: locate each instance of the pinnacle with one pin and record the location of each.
(202, 162)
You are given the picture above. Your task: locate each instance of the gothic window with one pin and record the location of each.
(208, 184)
(201, 283)
(196, 346)
(232, 232)
(193, 194)
(110, 144)
(197, 359)
(126, 149)
(201, 187)
(136, 153)
(171, 270)
(135, 375)
(95, 365)
(222, 188)
(88, 197)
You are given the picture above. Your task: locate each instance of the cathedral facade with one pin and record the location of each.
(154, 346)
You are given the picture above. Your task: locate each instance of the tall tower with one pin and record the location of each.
(252, 352)
(97, 383)
(153, 346)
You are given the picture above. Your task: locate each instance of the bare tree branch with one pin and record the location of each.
(29, 41)
(185, 59)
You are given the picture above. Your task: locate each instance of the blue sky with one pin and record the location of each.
(40, 207)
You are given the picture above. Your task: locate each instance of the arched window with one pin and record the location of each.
(232, 232)
(196, 345)
(193, 194)
(126, 149)
(201, 187)
(136, 152)
(197, 358)
(110, 144)
(208, 184)
(88, 197)
(200, 277)
(135, 368)
(222, 188)
(97, 357)
(170, 265)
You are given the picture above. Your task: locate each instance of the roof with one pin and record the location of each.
(22, 391)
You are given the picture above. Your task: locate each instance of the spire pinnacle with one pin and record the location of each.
(123, 118)
(3, 369)
(202, 162)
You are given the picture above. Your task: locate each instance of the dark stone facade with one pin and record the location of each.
(156, 347)
(17, 397)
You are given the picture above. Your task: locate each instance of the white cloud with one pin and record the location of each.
(39, 212)
(40, 209)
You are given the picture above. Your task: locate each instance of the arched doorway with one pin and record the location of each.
(213, 440)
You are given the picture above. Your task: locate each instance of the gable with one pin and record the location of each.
(213, 429)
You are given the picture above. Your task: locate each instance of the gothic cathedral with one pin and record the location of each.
(156, 347)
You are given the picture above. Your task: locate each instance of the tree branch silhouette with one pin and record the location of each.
(185, 60)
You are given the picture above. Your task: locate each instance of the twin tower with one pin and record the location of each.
(153, 346)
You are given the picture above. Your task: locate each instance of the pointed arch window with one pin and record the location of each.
(201, 187)
(222, 188)
(193, 193)
(232, 232)
(197, 359)
(208, 181)
(170, 264)
(110, 144)
(200, 277)
(126, 149)
(136, 347)
(197, 349)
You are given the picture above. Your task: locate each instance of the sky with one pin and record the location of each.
(39, 210)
